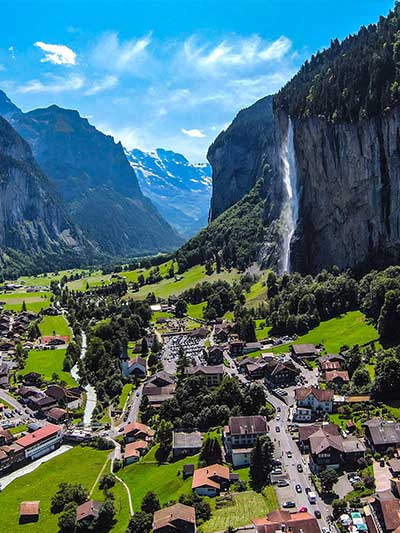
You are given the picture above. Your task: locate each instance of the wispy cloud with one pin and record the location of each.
(193, 133)
(58, 54)
(104, 84)
(112, 54)
(55, 84)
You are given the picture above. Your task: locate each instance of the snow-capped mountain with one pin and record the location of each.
(180, 190)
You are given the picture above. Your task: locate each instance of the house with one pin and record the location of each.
(41, 442)
(70, 398)
(55, 340)
(317, 400)
(240, 436)
(137, 431)
(386, 508)
(210, 480)
(201, 333)
(281, 373)
(250, 347)
(285, 522)
(42, 403)
(222, 331)
(29, 512)
(134, 367)
(161, 379)
(213, 374)
(57, 415)
(87, 512)
(32, 378)
(305, 432)
(4, 375)
(5, 437)
(300, 351)
(394, 466)
(382, 434)
(134, 450)
(256, 369)
(186, 443)
(330, 362)
(337, 377)
(177, 518)
(158, 395)
(11, 455)
(215, 355)
(236, 348)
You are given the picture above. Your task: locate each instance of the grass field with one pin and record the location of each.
(34, 301)
(349, 329)
(54, 325)
(246, 505)
(258, 292)
(47, 362)
(126, 390)
(79, 465)
(262, 331)
(165, 480)
(196, 310)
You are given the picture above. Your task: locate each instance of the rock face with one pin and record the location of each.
(94, 178)
(33, 220)
(239, 154)
(180, 190)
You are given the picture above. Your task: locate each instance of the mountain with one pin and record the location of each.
(93, 176)
(35, 229)
(327, 148)
(180, 190)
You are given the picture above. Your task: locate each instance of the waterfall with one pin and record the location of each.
(291, 205)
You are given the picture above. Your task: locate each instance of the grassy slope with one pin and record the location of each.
(196, 310)
(46, 362)
(57, 325)
(350, 329)
(35, 301)
(79, 465)
(258, 292)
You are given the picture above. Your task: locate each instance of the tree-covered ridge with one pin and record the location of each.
(233, 239)
(351, 80)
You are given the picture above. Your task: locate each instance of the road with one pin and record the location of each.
(135, 405)
(10, 400)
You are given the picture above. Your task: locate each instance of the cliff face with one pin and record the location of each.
(95, 179)
(32, 217)
(349, 191)
(239, 154)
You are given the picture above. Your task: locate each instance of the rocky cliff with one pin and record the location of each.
(33, 221)
(96, 181)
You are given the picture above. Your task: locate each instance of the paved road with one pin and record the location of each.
(12, 401)
(135, 405)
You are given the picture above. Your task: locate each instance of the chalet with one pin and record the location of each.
(161, 379)
(213, 374)
(256, 369)
(316, 400)
(134, 367)
(186, 443)
(158, 395)
(201, 333)
(240, 436)
(70, 398)
(250, 347)
(382, 434)
(337, 377)
(236, 348)
(4, 375)
(330, 362)
(29, 512)
(281, 373)
(57, 415)
(222, 331)
(6, 346)
(55, 340)
(176, 518)
(386, 508)
(11, 455)
(134, 450)
(305, 432)
(42, 404)
(137, 431)
(41, 442)
(211, 480)
(285, 522)
(87, 513)
(300, 351)
(215, 355)
(394, 466)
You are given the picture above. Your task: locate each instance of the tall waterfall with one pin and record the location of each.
(291, 205)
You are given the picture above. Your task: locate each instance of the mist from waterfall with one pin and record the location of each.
(291, 205)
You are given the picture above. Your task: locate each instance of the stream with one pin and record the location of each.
(91, 398)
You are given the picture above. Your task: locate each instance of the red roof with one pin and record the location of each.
(205, 476)
(29, 508)
(37, 436)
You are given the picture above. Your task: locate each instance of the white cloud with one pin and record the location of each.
(193, 133)
(11, 50)
(112, 54)
(108, 82)
(56, 84)
(58, 54)
(276, 50)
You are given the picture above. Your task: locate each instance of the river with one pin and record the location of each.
(91, 397)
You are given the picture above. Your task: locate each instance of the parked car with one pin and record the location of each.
(355, 479)
(277, 429)
(299, 467)
(326, 530)
(289, 454)
(303, 510)
(288, 505)
(276, 471)
(307, 490)
(382, 462)
(283, 483)
(298, 488)
(317, 513)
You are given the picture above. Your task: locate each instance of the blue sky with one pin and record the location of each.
(164, 73)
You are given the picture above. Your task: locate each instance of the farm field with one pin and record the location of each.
(79, 465)
(34, 301)
(54, 325)
(245, 506)
(349, 329)
(47, 362)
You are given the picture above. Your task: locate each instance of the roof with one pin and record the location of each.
(56, 413)
(394, 465)
(203, 476)
(305, 432)
(352, 444)
(163, 376)
(199, 332)
(29, 508)
(331, 357)
(331, 375)
(131, 450)
(321, 441)
(242, 425)
(30, 439)
(301, 349)
(390, 507)
(322, 395)
(202, 369)
(384, 432)
(46, 340)
(89, 509)
(137, 427)
(138, 361)
(298, 522)
(168, 515)
(182, 439)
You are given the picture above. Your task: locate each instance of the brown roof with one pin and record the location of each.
(242, 425)
(384, 432)
(89, 509)
(137, 427)
(297, 522)
(390, 508)
(321, 441)
(322, 395)
(202, 369)
(300, 349)
(203, 476)
(56, 413)
(331, 375)
(305, 432)
(331, 365)
(169, 515)
(394, 465)
(29, 508)
(133, 448)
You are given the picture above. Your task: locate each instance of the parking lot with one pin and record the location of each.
(193, 347)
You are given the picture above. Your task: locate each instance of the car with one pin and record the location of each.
(277, 429)
(326, 530)
(278, 418)
(299, 467)
(355, 479)
(283, 483)
(382, 462)
(278, 409)
(317, 513)
(307, 490)
(288, 505)
(289, 454)
(298, 488)
(276, 471)
(303, 510)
